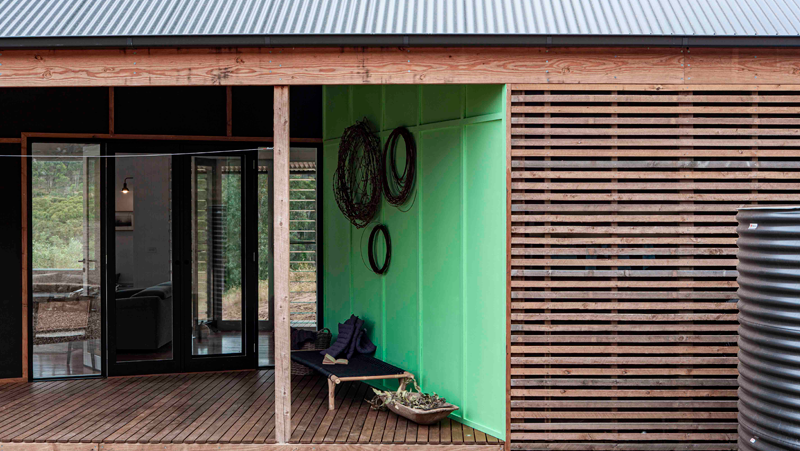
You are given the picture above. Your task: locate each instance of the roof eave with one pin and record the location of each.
(416, 40)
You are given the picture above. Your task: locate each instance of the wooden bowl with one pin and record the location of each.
(422, 416)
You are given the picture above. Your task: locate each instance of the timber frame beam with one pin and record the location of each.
(283, 381)
(398, 65)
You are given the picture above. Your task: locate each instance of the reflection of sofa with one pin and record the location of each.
(144, 317)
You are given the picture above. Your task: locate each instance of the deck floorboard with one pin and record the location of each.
(206, 408)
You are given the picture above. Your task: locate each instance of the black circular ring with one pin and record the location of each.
(397, 186)
(372, 263)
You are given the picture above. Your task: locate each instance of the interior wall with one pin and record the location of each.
(439, 311)
(143, 253)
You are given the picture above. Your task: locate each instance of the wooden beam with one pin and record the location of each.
(742, 66)
(310, 66)
(283, 383)
(754, 69)
(689, 86)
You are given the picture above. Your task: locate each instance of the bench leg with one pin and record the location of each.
(403, 383)
(331, 394)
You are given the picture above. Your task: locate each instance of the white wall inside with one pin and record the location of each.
(143, 254)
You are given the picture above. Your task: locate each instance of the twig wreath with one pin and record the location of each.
(358, 179)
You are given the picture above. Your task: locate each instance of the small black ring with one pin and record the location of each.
(372, 263)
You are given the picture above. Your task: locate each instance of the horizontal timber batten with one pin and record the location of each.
(626, 68)
(622, 251)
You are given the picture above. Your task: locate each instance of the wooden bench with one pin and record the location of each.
(360, 368)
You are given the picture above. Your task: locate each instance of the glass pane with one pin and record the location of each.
(266, 354)
(217, 300)
(143, 239)
(302, 247)
(66, 273)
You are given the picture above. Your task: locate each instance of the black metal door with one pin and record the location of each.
(182, 297)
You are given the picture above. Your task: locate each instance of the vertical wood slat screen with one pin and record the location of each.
(623, 259)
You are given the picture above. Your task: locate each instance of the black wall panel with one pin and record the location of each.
(252, 111)
(10, 264)
(53, 110)
(249, 104)
(170, 111)
(305, 111)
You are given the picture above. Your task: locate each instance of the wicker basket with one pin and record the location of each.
(323, 341)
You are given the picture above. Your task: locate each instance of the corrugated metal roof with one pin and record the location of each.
(138, 18)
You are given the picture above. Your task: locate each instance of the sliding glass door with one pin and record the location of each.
(144, 259)
(179, 260)
(220, 260)
(172, 243)
(217, 253)
(303, 278)
(66, 278)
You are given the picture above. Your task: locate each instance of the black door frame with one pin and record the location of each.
(249, 358)
(183, 360)
(103, 249)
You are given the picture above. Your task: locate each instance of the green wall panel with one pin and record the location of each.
(367, 288)
(402, 287)
(367, 102)
(336, 251)
(442, 103)
(439, 312)
(336, 116)
(404, 101)
(441, 249)
(485, 270)
(483, 99)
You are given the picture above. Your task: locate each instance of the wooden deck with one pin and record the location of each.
(202, 409)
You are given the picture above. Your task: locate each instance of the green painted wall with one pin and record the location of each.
(439, 312)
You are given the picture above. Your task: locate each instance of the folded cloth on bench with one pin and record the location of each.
(352, 339)
(299, 337)
(360, 365)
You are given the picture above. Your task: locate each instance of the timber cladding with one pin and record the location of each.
(623, 257)
(397, 65)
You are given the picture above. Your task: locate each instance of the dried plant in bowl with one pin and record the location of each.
(421, 408)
